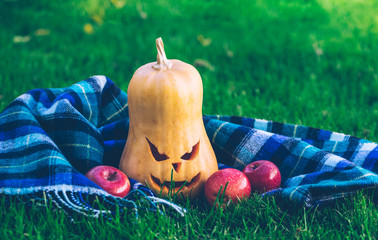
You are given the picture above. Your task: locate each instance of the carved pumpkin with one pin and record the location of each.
(167, 139)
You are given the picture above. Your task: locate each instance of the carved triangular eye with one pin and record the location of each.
(155, 153)
(191, 155)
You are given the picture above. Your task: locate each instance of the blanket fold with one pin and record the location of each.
(49, 138)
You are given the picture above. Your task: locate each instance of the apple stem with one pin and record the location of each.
(112, 177)
(255, 166)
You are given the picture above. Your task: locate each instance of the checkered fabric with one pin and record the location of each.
(317, 166)
(50, 137)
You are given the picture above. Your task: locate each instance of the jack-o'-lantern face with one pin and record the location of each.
(163, 185)
(167, 144)
(174, 167)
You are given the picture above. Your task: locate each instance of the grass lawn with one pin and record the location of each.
(304, 62)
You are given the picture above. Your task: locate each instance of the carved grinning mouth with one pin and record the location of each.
(176, 185)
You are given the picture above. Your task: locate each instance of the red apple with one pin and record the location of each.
(111, 179)
(238, 186)
(263, 176)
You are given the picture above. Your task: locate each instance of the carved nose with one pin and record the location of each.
(176, 166)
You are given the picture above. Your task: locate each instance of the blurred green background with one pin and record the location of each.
(305, 62)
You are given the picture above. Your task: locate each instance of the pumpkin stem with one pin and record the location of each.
(162, 62)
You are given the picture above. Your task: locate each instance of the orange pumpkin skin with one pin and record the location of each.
(167, 138)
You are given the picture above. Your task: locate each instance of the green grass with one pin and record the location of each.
(354, 218)
(305, 62)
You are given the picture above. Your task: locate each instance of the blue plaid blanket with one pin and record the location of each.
(49, 138)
